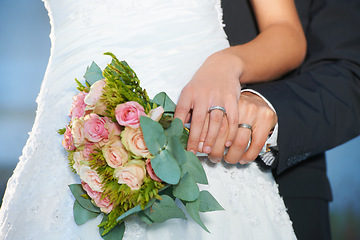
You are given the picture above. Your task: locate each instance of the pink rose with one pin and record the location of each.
(133, 140)
(78, 106)
(128, 114)
(151, 172)
(155, 114)
(94, 94)
(94, 128)
(78, 131)
(68, 142)
(115, 154)
(132, 174)
(89, 149)
(103, 203)
(90, 177)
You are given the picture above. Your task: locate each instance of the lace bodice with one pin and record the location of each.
(164, 41)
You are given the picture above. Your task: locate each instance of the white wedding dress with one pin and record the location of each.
(164, 41)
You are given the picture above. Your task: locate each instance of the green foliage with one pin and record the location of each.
(162, 99)
(154, 135)
(116, 233)
(82, 215)
(164, 210)
(81, 87)
(122, 86)
(78, 191)
(193, 209)
(187, 189)
(93, 74)
(61, 131)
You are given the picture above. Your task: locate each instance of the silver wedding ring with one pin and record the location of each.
(244, 125)
(217, 108)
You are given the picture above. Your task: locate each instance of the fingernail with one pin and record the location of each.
(200, 146)
(214, 160)
(228, 144)
(207, 150)
(242, 162)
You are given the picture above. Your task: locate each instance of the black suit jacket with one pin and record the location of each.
(318, 104)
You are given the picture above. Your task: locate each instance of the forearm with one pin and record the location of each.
(274, 52)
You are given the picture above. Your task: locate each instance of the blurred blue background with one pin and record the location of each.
(24, 52)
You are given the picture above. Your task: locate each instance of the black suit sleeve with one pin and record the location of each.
(318, 106)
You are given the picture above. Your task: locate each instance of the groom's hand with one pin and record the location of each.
(254, 111)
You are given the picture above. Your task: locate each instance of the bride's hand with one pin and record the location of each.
(253, 110)
(216, 83)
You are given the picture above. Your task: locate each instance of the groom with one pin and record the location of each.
(317, 105)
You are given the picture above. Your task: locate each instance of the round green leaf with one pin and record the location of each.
(187, 189)
(193, 209)
(154, 135)
(81, 215)
(163, 100)
(175, 147)
(208, 203)
(164, 209)
(193, 166)
(166, 167)
(77, 191)
(175, 128)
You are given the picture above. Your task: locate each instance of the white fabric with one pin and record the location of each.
(165, 41)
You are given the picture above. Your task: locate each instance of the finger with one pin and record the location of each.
(233, 122)
(197, 124)
(218, 149)
(216, 118)
(258, 140)
(203, 134)
(239, 146)
(183, 107)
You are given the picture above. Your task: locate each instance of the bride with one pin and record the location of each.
(164, 41)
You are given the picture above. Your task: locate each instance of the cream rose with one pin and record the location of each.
(96, 90)
(114, 153)
(78, 157)
(77, 131)
(132, 174)
(133, 140)
(155, 114)
(90, 177)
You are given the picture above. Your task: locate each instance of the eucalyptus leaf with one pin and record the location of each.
(208, 203)
(164, 209)
(184, 137)
(175, 128)
(135, 210)
(175, 147)
(117, 233)
(193, 210)
(145, 218)
(93, 73)
(166, 167)
(163, 100)
(77, 191)
(187, 189)
(81, 215)
(154, 135)
(193, 166)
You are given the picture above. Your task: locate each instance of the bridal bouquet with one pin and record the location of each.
(129, 153)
